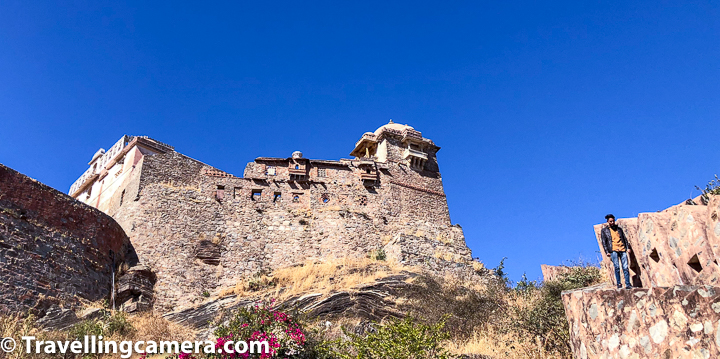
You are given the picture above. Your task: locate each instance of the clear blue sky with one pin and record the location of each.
(549, 114)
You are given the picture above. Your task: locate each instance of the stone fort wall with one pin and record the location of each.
(201, 229)
(53, 249)
(199, 238)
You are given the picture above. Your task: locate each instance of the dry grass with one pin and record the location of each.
(478, 266)
(500, 337)
(444, 238)
(14, 326)
(144, 327)
(496, 344)
(335, 275)
(317, 277)
(152, 327)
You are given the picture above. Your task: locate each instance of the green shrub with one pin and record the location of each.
(108, 325)
(398, 339)
(284, 333)
(500, 273)
(118, 323)
(87, 327)
(380, 255)
(524, 285)
(377, 254)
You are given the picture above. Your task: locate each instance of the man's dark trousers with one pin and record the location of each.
(621, 257)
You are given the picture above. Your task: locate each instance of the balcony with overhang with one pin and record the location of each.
(411, 135)
(298, 169)
(366, 146)
(368, 172)
(412, 153)
(368, 175)
(415, 158)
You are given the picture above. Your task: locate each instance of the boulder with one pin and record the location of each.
(57, 318)
(94, 313)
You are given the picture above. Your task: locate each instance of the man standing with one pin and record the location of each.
(616, 247)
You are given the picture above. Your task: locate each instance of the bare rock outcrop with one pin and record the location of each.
(370, 302)
(57, 318)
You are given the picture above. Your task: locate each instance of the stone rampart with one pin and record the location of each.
(53, 248)
(201, 229)
(675, 322)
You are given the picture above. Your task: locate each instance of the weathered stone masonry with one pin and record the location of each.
(674, 322)
(53, 247)
(201, 229)
(675, 314)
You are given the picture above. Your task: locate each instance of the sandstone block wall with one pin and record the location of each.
(52, 246)
(675, 322)
(201, 229)
(104, 183)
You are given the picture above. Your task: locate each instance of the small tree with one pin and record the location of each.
(712, 188)
(545, 317)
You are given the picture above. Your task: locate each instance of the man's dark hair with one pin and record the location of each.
(609, 216)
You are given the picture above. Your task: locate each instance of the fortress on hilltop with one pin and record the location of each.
(201, 229)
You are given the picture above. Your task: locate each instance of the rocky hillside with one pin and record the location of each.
(354, 290)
